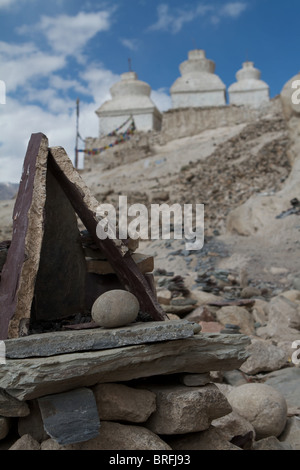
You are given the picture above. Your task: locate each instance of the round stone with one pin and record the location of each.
(263, 406)
(115, 308)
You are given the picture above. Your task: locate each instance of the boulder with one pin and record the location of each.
(182, 409)
(116, 436)
(25, 442)
(118, 402)
(263, 406)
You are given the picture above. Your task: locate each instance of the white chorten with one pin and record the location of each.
(198, 86)
(130, 96)
(249, 90)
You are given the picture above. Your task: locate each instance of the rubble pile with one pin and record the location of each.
(237, 169)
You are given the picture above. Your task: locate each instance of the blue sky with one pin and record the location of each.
(53, 52)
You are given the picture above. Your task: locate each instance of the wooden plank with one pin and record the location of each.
(19, 271)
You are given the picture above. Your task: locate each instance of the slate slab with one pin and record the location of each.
(63, 342)
(70, 417)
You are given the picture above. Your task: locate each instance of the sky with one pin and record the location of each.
(52, 53)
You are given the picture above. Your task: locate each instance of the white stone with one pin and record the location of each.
(263, 406)
(249, 90)
(115, 308)
(130, 97)
(198, 86)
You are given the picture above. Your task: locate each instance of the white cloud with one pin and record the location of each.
(22, 63)
(132, 44)
(7, 3)
(233, 9)
(69, 34)
(172, 20)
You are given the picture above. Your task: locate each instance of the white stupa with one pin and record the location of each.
(130, 96)
(198, 86)
(249, 90)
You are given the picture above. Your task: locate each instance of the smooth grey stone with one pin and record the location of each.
(70, 417)
(63, 342)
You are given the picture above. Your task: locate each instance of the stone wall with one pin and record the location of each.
(191, 121)
(130, 388)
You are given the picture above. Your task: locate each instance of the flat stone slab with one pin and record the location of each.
(64, 342)
(70, 417)
(30, 378)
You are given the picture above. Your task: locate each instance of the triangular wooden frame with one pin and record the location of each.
(19, 272)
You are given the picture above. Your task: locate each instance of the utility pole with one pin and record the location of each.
(77, 133)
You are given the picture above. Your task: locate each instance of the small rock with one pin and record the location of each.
(263, 357)
(33, 423)
(234, 377)
(195, 380)
(115, 308)
(291, 433)
(11, 407)
(51, 444)
(233, 425)
(296, 283)
(164, 296)
(25, 442)
(292, 295)
(204, 298)
(249, 292)
(238, 316)
(263, 406)
(274, 270)
(271, 443)
(211, 439)
(200, 314)
(181, 301)
(118, 402)
(210, 326)
(180, 310)
(260, 311)
(4, 427)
